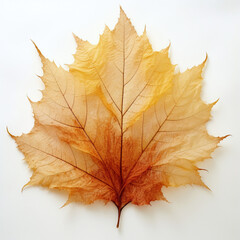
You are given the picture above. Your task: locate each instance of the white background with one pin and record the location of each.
(193, 28)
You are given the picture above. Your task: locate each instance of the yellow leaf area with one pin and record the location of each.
(120, 124)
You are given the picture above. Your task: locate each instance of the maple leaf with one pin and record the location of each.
(120, 124)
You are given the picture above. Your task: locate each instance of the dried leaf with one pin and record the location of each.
(120, 124)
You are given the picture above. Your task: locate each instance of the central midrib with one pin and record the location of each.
(123, 81)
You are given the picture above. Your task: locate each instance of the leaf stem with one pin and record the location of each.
(120, 211)
(119, 215)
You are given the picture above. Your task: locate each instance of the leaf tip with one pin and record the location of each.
(168, 46)
(121, 9)
(29, 99)
(65, 204)
(202, 184)
(39, 52)
(122, 13)
(205, 60)
(145, 30)
(75, 36)
(12, 136)
(228, 135)
(27, 184)
(205, 186)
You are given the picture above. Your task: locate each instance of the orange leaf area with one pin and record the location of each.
(120, 124)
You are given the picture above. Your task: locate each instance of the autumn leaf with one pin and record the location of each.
(120, 124)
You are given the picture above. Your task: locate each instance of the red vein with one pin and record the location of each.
(105, 167)
(49, 154)
(167, 115)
